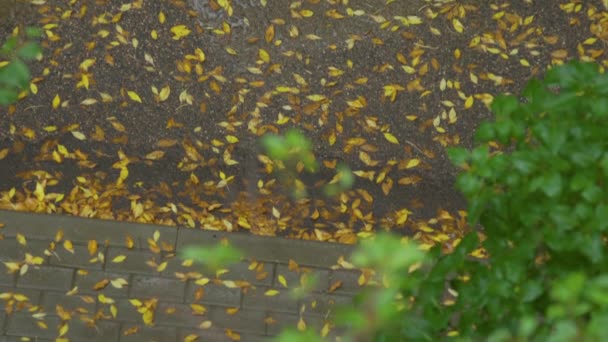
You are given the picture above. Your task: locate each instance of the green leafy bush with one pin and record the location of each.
(540, 198)
(14, 73)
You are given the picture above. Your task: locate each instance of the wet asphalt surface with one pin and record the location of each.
(325, 67)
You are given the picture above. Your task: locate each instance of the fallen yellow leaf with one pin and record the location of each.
(271, 293)
(119, 258)
(56, 101)
(391, 138)
(134, 96)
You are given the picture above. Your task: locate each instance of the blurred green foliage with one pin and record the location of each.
(213, 258)
(294, 149)
(14, 73)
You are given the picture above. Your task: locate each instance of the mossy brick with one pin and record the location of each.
(50, 300)
(81, 230)
(215, 334)
(147, 334)
(46, 277)
(33, 296)
(324, 304)
(293, 278)
(167, 289)
(214, 294)
(86, 280)
(79, 258)
(245, 320)
(258, 298)
(348, 281)
(135, 261)
(12, 250)
(272, 249)
(23, 324)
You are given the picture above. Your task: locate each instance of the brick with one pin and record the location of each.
(324, 304)
(214, 294)
(281, 321)
(23, 324)
(349, 279)
(33, 296)
(237, 271)
(46, 277)
(272, 249)
(51, 299)
(179, 315)
(255, 298)
(293, 277)
(166, 314)
(87, 279)
(126, 312)
(21, 339)
(245, 320)
(214, 334)
(80, 258)
(103, 331)
(240, 271)
(13, 251)
(80, 230)
(148, 334)
(7, 279)
(135, 261)
(168, 289)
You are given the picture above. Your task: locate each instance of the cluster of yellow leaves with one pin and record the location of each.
(146, 308)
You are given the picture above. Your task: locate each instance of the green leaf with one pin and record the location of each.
(9, 46)
(531, 290)
(291, 335)
(527, 326)
(485, 132)
(458, 155)
(275, 146)
(569, 288)
(347, 178)
(7, 96)
(552, 184)
(29, 50)
(15, 74)
(33, 32)
(592, 193)
(504, 105)
(296, 139)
